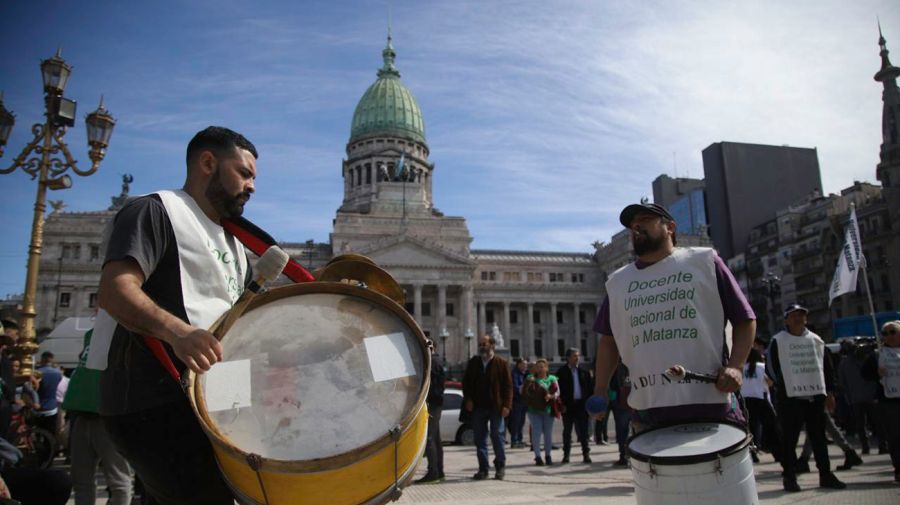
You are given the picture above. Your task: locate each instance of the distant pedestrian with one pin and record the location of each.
(487, 391)
(619, 389)
(47, 416)
(763, 421)
(434, 451)
(540, 392)
(802, 394)
(519, 409)
(859, 393)
(89, 444)
(885, 367)
(575, 386)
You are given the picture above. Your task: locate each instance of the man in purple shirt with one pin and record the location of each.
(653, 238)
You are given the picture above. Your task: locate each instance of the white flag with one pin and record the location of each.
(848, 262)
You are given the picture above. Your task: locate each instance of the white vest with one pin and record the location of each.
(212, 261)
(212, 264)
(889, 358)
(802, 360)
(669, 313)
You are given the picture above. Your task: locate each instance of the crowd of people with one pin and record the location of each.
(171, 269)
(756, 383)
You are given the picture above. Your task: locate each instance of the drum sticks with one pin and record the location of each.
(678, 372)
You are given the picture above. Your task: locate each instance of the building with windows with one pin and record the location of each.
(739, 180)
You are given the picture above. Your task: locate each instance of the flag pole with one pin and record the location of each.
(871, 305)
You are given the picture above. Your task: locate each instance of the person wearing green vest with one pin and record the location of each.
(88, 441)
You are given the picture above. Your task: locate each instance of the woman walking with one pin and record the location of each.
(540, 393)
(755, 390)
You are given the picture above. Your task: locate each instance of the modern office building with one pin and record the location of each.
(746, 184)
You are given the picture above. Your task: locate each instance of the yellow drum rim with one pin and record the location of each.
(198, 402)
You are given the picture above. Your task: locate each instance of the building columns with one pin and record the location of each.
(482, 318)
(417, 303)
(577, 323)
(527, 346)
(554, 331)
(441, 311)
(506, 324)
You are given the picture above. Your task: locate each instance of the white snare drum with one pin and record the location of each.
(698, 463)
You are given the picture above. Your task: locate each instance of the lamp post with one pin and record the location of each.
(444, 334)
(772, 286)
(469, 336)
(50, 171)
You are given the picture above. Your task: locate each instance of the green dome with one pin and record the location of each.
(388, 107)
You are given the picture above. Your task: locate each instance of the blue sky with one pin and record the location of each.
(544, 118)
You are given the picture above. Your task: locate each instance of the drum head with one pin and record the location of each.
(687, 443)
(314, 375)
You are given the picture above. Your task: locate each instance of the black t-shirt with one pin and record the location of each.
(134, 379)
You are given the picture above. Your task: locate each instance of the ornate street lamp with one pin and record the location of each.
(7, 120)
(50, 171)
(444, 334)
(772, 286)
(469, 337)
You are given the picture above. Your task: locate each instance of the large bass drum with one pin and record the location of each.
(320, 397)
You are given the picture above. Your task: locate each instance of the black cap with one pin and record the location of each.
(793, 308)
(632, 210)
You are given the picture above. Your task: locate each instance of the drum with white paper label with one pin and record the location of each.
(696, 463)
(320, 397)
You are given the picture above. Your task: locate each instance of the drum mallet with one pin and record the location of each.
(596, 404)
(268, 268)
(678, 372)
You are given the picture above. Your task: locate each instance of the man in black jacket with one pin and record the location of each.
(804, 384)
(435, 402)
(575, 386)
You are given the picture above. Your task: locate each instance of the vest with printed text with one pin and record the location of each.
(889, 358)
(802, 362)
(669, 313)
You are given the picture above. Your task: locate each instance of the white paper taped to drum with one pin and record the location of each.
(389, 357)
(228, 386)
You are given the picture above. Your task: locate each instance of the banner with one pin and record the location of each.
(849, 261)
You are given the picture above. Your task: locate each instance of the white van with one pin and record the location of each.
(66, 341)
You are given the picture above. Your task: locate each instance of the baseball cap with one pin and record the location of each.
(793, 308)
(632, 210)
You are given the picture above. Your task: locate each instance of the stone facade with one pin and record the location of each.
(70, 263)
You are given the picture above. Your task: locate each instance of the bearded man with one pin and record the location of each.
(668, 308)
(170, 271)
(488, 393)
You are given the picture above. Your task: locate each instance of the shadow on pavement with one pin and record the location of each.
(813, 486)
(605, 491)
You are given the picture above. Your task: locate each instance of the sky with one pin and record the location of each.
(544, 119)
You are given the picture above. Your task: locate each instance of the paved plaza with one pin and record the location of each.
(601, 483)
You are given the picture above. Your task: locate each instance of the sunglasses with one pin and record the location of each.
(885, 333)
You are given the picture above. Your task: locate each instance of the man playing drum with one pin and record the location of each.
(170, 271)
(670, 308)
(804, 381)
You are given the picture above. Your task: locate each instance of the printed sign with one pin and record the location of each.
(228, 385)
(389, 357)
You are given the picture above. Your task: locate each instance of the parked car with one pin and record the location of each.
(452, 430)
